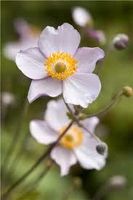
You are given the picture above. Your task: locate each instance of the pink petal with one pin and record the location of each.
(64, 39)
(47, 86)
(81, 89)
(42, 132)
(64, 158)
(87, 58)
(31, 63)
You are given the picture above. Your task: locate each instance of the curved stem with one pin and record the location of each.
(16, 133)
(78, 122)
(37, 181)
(103, 111)
(34, 166)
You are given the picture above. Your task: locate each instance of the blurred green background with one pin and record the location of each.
(116, 127)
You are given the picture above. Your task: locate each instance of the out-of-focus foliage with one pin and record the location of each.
(117, 125)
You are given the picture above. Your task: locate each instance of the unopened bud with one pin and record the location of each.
(120, 41)
(82, 17)
(117, 182)
(128, 91)
(77, 182)
(101, 149)
(97, 35)
(100, 36)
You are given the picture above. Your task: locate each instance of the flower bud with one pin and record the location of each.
(77, 182)
(101, 148)
(82, 17)
(97, 35)
(127, 91)
(117, 182)
(120, 41)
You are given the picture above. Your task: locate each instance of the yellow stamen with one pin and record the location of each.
(72, 138)
(60, 65)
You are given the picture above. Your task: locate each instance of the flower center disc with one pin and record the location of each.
(60, 65)
(72, 138)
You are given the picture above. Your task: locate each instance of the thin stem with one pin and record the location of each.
(34, 166)
(78, 122)
(16, 133)
(15, 161)
(103, 111)
(37, 181)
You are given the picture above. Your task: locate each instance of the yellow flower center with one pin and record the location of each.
(72, 138)
(60, 65)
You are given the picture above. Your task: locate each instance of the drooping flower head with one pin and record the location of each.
(77, 145)
(28, 37)
(58, 66)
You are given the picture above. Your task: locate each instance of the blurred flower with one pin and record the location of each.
(57, 66)
(120, 41)
(76, 145)
(82, 17)
(7, 99)
(97, 35)
(28, 36)
(117, 182)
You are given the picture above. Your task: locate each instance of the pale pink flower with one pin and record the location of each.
(28, 36)
(58, 66)
(77, 145)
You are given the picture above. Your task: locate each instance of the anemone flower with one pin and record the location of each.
(77, 145)
(57, 66)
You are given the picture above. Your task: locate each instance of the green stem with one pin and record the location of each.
(35, 165)
(15, 137)
(78, 122)
(34, 184)
(103, 111)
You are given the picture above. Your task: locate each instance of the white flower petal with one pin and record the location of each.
(31, 63)
(81, 89)
(87, 154)
(64, 158)
(42, 132)
(56, 115)
(65, 39)
(90, 123)
(87, 58)
(81, 16)
(47, 86)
